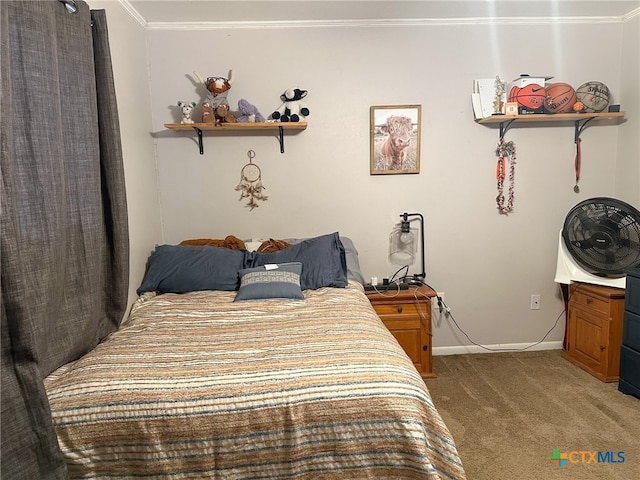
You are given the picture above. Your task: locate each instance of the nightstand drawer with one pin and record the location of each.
(397, 309)
(594, 304)
(399, 323)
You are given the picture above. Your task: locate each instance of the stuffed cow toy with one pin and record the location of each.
(293, 109)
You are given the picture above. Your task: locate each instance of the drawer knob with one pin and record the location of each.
(399, 308)
(602, 347)
(425, 347)
(589, 300)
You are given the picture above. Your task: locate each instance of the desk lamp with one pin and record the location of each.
(403, 244)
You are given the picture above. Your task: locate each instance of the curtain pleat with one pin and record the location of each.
(64, 236)
(116, 283)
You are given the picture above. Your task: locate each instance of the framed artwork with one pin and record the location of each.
(395, 139)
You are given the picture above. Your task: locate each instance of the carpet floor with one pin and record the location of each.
(509, 412)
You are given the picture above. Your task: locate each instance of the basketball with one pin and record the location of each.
(530, 96)
(594, 95)
(560, 98)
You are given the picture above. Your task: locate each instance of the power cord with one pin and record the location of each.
(450, 315)
(393, 287)
(443, 307)
(406, 273)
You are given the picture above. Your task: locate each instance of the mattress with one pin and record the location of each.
(196, 385)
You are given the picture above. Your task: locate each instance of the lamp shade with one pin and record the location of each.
(403, 245)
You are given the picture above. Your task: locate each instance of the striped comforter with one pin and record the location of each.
(197, 386)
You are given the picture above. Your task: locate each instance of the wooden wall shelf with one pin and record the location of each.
(278, 128)
(580, 120)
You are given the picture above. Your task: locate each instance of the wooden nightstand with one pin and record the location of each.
(407, 315)
(594, 329)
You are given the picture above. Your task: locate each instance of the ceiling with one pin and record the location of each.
(167, 12)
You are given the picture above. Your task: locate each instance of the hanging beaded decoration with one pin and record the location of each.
(506, 151)
(250, 185)
(577, 165)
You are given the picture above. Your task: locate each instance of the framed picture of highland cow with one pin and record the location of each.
(395, 139)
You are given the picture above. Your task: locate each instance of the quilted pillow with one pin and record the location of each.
(270, 281)
(323, 261)
(185, 268)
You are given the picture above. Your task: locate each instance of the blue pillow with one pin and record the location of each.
(323, 261)
(351, 254)
(270, 281)
(186, 268)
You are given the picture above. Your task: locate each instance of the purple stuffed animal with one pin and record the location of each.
(248, 112)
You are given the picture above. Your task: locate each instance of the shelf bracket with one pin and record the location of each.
(281, 135)
(200, 146)
(504, 126)
(580, 125)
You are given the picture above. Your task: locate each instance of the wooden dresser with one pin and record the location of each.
(594, 329)
(407, 315)
(630, 352)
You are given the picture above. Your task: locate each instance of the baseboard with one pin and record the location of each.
(507, 347)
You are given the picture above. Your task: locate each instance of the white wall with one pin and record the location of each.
(127, 39)
(628, 173)
(487, 264)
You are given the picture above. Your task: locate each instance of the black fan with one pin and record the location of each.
(603, 236)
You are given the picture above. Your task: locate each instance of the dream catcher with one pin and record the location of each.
(250, 184)
(506, 152)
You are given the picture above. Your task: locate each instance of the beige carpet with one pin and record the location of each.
(509, 411)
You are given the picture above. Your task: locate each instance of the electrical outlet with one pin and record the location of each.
(535, 302)
(434, 301)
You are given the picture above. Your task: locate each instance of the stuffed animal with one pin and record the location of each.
(186, 109)
(293, 109)
(223, 115)
(207, 113)
(217, 88)
(249, 113)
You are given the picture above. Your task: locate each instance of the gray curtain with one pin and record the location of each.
(64, 236)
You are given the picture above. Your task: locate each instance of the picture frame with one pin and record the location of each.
(395, 139)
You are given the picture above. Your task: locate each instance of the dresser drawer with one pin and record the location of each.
(630, 366)
(594, 304)
(631, 330)
(397, 309)
(632, 298)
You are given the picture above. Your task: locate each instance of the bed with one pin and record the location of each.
(202, 384)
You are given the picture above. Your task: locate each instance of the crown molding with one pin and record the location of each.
(133, 12)
(632, 14)
(378, 23)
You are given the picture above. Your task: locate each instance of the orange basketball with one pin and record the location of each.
(530, 96)
(560, 98)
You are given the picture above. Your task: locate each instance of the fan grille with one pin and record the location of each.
(603, 236)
